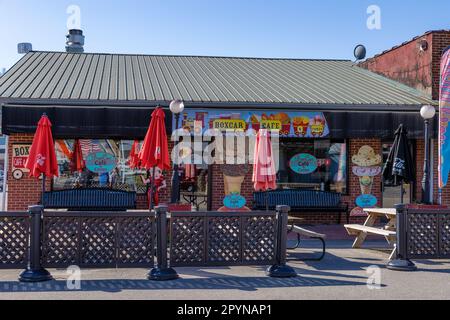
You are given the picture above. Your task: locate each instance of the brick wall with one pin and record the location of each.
(406, 64)
(411, 66)
(27, 191)
(441, 40)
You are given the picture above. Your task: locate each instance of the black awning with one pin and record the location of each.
(376, 124)
(82, 122)
(132, 122)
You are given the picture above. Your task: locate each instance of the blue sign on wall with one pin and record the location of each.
(234, 201)
(101, 162)
(303, 163)
(366, 201)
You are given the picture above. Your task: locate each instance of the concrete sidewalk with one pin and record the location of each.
(341, 275)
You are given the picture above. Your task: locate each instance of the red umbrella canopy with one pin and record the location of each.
(77, 162)
(133, 159)
(42, 158)
(155, 149)
(264, 174)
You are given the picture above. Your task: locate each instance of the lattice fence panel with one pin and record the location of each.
(187, 244)
(259, 240)
(135, 241)
(98, 242)
(61, 242)
(224, 240)
(423, 238)
(14, 239)
(445, 235)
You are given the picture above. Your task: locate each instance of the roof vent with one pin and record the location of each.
(24, 48)
(75, 41)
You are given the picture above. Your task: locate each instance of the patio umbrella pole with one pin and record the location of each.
(43, 189)
(402, 190)
(152, 182)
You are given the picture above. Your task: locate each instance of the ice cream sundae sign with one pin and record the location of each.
(288, 124)
(367, 165)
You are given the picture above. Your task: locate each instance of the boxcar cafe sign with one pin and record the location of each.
(303, 163)
(101, 162)
(20, 153)
(288, 124)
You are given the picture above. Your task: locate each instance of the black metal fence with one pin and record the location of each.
(97, 239)
(14, 239)
(58, 239)
(421, 234)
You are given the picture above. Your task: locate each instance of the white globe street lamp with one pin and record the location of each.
(427, 113)
(176, 107)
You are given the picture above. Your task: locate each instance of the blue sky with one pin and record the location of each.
(264, 28)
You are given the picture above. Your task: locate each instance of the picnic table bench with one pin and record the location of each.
(388, 231)
(299, 231)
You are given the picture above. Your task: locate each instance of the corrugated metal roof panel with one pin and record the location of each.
(106, 77)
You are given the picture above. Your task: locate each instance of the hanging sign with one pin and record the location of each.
(20, 153)
(303, 163)
(234, 201)
(101, 162)
(366, 201)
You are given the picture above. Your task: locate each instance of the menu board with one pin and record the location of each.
(288, 124)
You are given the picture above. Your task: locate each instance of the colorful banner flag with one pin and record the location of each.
(444, 118)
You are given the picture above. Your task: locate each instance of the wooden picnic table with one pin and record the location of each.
(389, 230)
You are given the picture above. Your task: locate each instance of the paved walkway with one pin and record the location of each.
(341, 275)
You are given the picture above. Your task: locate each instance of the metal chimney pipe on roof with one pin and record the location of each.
(75, 41)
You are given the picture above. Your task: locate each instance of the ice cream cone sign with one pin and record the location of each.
(367, 165)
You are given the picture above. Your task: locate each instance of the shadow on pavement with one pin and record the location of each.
(225, 283)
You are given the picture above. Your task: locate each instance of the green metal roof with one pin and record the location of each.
(60, 76)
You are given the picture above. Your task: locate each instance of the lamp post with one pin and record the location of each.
(176, 107)
(427, 112)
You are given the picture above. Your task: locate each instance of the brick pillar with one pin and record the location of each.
(218, 188)
(26, 191)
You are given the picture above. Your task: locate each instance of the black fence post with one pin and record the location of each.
(402, 263)
(34, 271)
(162, 272)
(281, 269)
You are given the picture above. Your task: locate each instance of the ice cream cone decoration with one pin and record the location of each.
(367, 167)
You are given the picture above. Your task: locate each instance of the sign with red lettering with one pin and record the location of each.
(20, 153)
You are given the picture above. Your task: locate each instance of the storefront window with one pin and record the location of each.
(313, 164)
(106, 166)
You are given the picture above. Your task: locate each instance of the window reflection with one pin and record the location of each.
(119, 177)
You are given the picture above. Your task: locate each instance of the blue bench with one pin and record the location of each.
(90, 199)
(302, 201)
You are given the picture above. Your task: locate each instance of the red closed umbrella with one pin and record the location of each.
(42, 158)
(264, 174)
(133, 159)
(155, 149)
(77, 163)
